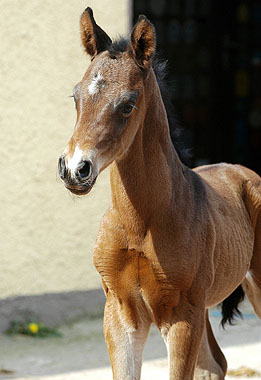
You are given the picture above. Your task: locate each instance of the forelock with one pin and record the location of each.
(118, 46)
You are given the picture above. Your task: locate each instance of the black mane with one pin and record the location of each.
(159, 66)
(160, 70)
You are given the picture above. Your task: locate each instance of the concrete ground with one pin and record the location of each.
(81, 352)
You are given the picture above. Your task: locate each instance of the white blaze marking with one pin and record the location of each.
(75, 159)
(95, 84)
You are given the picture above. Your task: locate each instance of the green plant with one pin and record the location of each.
(32, 329)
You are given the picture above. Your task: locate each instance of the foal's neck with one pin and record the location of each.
(149, 178)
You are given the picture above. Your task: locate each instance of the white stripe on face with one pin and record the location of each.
(96, 83)
(73, 162)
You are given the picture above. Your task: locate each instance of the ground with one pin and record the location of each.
(81, 352)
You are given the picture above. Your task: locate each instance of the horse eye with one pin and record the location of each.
(127, 109)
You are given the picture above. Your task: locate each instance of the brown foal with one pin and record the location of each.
(175, 241)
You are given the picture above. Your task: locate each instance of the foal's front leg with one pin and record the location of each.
(125, 337)
(183, 339)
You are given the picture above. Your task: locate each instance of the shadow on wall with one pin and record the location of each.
(52, 309)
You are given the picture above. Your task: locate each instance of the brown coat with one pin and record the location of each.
(175, 241)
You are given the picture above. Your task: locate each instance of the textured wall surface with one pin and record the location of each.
(47, 236)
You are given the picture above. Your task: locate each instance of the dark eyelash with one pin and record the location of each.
(74, 98)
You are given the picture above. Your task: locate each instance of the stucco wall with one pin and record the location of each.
(47, 236)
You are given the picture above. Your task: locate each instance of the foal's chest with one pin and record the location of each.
(138, 282)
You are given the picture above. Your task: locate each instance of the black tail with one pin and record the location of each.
(230, 306)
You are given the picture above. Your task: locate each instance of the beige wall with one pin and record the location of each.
(47, 236)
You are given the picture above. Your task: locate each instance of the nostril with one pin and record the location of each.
(62, 167)
(85, 169)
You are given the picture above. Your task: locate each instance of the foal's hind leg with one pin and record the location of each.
(252, 282)
(125, 338)
(211, 363)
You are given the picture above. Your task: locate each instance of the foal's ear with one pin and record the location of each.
(143, 42)
(94, 39)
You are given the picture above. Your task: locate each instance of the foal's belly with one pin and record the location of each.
(232, 258)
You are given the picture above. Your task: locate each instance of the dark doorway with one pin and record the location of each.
(213, 50)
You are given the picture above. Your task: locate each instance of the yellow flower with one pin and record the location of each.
(33, 327)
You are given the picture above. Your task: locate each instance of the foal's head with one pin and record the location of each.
(109, 101)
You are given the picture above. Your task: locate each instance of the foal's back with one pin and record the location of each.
(233, 186)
